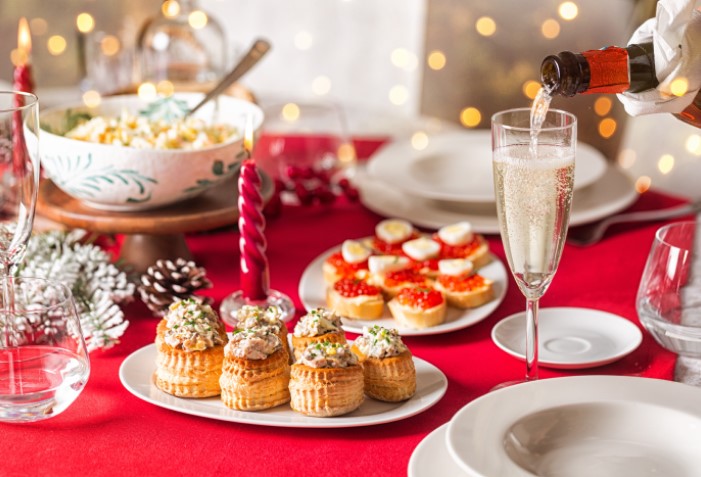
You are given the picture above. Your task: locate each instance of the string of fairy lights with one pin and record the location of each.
(398, 95)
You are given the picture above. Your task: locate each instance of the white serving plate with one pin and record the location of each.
(312, 293)
(136, 375)
(601, 426)
(570, 338)
(457, 166)
(432, 459)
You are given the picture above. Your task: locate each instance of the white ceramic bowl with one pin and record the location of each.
(119, 178)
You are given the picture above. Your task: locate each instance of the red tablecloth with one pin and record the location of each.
(107, 431)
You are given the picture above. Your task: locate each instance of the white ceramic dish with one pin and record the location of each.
(312, 293)
(119, 178)
(570, 338)
(136, 375)
(455, 166)
(612, 193)
(432, 459)
(580, 426)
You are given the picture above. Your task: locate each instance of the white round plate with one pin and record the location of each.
(570, 338)
(136, 375)
(312, 293)
(454, 165)
(580, 426)
(431, 457)
(613, 193)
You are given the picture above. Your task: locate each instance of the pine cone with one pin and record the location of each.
(166, 282)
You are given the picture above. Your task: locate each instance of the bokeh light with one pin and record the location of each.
(321, 85)
(290, 112)
(550, 29)
(170, 8)
(56, 45)
(607, 127)
(110, 45)
(470, 117)
(627, 158)
(419, 140)
(436, 60)
(568, 11)
(679, 86)
(603, 105)
(665, 164)
(486, 26)
(530, 88)
(147, 91)
(92, 98)
(398, 95)
(693, 144)
(197, 19)
(643, 184)
(165, 88)
(85, 23)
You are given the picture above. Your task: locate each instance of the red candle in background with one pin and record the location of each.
(254, 263)
(22, 80)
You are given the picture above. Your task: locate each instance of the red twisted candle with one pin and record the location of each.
(254, 264)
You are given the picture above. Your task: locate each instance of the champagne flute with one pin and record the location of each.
(19, 182)
(533, 182)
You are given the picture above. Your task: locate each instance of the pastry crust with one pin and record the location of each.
(300, 343)
(417, 318)
(468, 299)
(326, 392)
(255, 384)
(390, 379)
(364, 307)
(192, 374)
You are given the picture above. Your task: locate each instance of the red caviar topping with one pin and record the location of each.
(423, 298)
(344, 268)
(352, 287)
(408, 275)
(458, 251)
(461, 283)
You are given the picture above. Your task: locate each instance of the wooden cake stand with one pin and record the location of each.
(150, 234)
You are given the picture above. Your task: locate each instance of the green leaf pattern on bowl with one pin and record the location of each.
(220, 171)
(81, 183)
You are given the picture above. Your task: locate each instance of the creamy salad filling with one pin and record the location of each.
(192, 326)
(251, 316)
(317, 322)
(253, 343)
(328, 355)
(143, 133)
(379, 342)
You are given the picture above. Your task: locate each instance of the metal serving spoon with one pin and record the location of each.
(259, 48)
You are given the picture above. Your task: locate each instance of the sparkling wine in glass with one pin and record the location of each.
(533, 182)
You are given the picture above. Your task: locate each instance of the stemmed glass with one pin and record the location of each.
(533, 182)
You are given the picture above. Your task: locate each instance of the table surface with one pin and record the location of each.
(108, 431)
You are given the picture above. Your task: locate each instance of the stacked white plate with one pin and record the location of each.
(450, 180)
(601, 426)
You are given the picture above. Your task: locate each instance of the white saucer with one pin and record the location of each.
(454, 165)
(431, 457)
(570, 338)
(612, 193)
(580, 426)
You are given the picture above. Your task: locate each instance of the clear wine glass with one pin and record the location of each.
(44, 362)
(533, 183)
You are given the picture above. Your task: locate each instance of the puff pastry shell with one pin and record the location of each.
(390, 379)
(326, 392)
(300, 343)
(255, 384)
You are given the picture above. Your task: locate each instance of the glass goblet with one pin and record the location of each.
(44, 362)
(533, 182)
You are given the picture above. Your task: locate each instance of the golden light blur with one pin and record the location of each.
(56, 44)
(693, 144)
(419, 140)
(19, 57)
(603, 105)
(92, 98)
(642, 184)
(470, 117)
(85, 22)
(147, 91)
(304, 40)
(346, 154)
(110, 45)
(486, 26)
(607, 127)
(290, 112)
(436, 60)
(165, 88)
(665, 164)
(38, 26)
(530, 88)
(321, 85)
(679, 86)
(398, 94)
(568, 10)
(248, 135)
(550, 29)
(627, 158)
(197, 19)
(403, 58)
(170, 8)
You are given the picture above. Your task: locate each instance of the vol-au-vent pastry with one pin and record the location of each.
(326, 381)
(388, 367)
(418, 308)
(251, 316)
(190, 350)
(317, 326)
(256, 371)
(356, 299)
